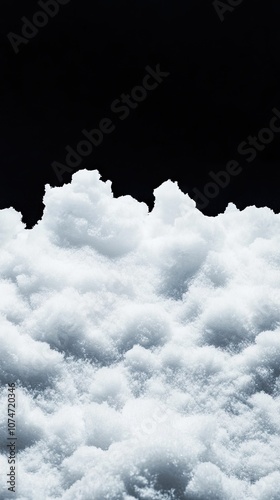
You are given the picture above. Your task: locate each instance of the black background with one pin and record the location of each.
(224, 81)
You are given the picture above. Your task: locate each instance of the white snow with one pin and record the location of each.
(145, 348)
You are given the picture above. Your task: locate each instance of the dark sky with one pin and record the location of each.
(222, 87)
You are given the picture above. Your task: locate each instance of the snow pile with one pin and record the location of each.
(145, 348)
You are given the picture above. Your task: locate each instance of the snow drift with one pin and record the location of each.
(145, 348)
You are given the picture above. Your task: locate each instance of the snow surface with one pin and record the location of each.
(145, 348)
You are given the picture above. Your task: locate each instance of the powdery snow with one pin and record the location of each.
(145, 348)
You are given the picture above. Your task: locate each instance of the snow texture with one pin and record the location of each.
(145, 348)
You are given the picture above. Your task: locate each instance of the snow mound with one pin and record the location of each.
(144, 347)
